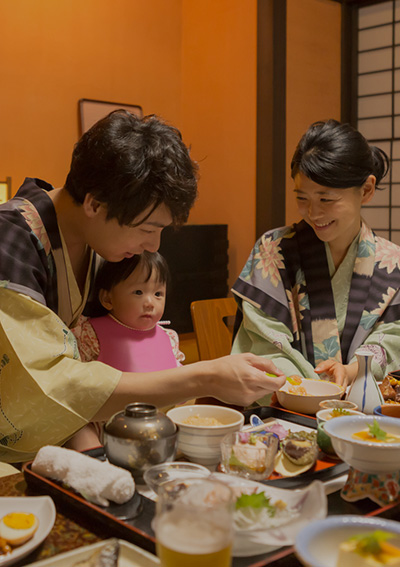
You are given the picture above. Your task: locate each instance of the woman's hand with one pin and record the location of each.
(342, 374)
(241, 378)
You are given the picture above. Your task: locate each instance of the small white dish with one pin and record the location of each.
(45, 511)
(326, 414)
(365, 456)
(129, 556)
(307, 504)
(317, 545)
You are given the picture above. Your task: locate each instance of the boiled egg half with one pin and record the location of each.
(18, 527)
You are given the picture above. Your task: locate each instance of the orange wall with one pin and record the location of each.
(219, 115)
(312, 74)
(192, 62)
(54, 52)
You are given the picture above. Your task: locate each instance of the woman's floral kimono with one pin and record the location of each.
(298, 310)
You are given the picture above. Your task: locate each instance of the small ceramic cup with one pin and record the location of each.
(344, 404)
(389, 410)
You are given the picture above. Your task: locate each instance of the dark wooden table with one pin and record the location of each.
(70, 532)
(66, 534)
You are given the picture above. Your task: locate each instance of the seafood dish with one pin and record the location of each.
(105, 557)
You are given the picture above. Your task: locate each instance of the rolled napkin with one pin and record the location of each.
(97, 481)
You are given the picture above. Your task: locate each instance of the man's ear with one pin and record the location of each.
(105, 299)
(91, 206)
(368, 189)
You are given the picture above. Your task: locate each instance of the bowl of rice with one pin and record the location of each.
(202, 428)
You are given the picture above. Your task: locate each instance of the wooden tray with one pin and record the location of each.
(139, 531)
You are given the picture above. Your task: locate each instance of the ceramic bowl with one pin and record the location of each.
(326, 414)
(317, 390)
(202, 443)
(365, 456)
(317, 545)
(324, 441)
(344, 404)
(390, 410)
(160, 474)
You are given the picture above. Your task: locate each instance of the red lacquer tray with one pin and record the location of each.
(138, 530)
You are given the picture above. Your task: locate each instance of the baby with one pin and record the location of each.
(129, 336)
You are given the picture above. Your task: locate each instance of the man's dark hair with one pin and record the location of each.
(334, 154)
(130, 164)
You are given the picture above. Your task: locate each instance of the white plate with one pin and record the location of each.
(310, 503)
(129, 556)
(43, 508)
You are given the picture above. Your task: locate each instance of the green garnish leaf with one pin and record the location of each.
(376, 431)
(370, 544)
(257, 501)
(337, 412)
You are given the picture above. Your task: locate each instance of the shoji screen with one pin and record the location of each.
(379, 106)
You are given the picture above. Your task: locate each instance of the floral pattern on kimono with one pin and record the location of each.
(287, 278)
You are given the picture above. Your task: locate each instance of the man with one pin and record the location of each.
(129, 178)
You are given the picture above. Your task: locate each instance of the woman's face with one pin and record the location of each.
(334, 214)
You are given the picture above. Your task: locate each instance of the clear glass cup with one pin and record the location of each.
(249, 454)
(194, 523)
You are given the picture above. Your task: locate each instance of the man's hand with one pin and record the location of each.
(241, 378)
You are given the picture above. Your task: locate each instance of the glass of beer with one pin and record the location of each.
(194, 523)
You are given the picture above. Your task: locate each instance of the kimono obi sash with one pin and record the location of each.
(131, 350)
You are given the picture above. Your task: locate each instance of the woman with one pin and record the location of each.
(312, 293)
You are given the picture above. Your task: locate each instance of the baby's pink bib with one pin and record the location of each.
(130, 350)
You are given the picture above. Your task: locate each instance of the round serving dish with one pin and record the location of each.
(317, 391)
(317, 545)
(201, 443)
(365, 456)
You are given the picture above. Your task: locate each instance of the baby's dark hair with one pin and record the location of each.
(334, 154)
(112, 273)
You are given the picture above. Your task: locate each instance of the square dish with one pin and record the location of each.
(129, 556)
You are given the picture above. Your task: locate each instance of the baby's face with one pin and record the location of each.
(135, 302)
